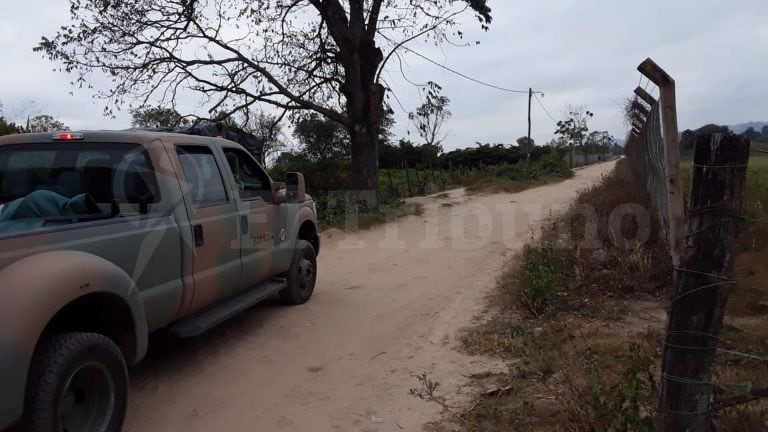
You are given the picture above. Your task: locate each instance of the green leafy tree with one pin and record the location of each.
(157, 117)
(321, 139)
(712, 129)
(599, 142)
(558, 143)
(7, 127)
(751, 133)
(687, 139)
(484, 155)
(387, 123)
(325, 56)
(526, 145)
(45, 123)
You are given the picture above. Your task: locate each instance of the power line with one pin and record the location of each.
(544, 108)
(464, 75)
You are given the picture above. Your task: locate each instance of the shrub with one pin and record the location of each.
(622, 402)
(540, 285)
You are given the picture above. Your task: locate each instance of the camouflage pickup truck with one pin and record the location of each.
(106, 237)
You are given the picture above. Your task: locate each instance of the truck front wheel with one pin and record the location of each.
(78, 382)
(301, 276)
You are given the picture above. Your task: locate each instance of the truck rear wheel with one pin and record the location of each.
(78, 382)
(301, 276)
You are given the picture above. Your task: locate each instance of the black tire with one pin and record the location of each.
(301, 276)
(78, 382)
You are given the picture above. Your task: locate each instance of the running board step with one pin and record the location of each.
(209, 318)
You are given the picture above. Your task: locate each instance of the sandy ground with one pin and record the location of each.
(388, 306)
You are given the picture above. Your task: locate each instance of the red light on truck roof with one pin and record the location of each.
(67, 136)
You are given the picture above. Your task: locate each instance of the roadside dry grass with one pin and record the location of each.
(582, 328)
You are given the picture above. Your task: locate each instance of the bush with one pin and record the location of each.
(623, 402)
(540, 285)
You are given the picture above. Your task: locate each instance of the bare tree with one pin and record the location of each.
(269, 128)
(325, 56)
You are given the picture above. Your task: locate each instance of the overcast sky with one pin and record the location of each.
(580, 52)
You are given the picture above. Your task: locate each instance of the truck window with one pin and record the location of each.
(43, 185)
(203, 174)
(252, 182)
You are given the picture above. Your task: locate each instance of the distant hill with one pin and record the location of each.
(740, 128)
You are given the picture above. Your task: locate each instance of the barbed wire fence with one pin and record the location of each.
(653, 152)
(703, 245)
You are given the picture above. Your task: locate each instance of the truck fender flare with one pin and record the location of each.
(37, 287)
(303, 215)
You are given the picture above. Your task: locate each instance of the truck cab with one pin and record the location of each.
(107, 236)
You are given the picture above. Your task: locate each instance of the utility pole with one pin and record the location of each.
(528, 144)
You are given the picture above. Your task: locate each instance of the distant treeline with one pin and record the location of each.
(688, 137)
(405, 153)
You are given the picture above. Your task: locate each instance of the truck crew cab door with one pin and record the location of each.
(260, 229)
(214, 223)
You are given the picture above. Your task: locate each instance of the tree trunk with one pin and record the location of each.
(355, 36)
(365, 158)
(365, 107)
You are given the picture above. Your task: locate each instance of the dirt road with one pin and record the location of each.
(389, 304)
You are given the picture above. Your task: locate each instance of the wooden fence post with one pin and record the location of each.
(675, 205)
(703, 283)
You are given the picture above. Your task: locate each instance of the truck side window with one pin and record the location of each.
(251, 181)
(203, 175)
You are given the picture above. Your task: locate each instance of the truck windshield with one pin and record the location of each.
(51, 183)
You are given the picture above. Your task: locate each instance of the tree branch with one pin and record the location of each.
(373, 18)
(416, 36)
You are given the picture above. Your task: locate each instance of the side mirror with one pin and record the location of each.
(296, 189)
(278, 193)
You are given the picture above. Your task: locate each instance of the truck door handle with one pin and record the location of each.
(199, 237)
(244, 226)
